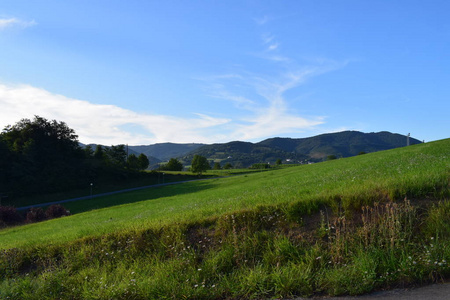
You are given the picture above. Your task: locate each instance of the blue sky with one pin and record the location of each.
(145, 72)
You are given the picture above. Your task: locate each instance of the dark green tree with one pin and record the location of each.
(173, 165)
(6, 159)
(331, 157)
(43, 156)
(133, 162)
(117, 155)
(143, 161)
(88, 151)
(278, 162)
(199, 164)
(228, 166)
(49, 137)
(99, 153)
(217, 166)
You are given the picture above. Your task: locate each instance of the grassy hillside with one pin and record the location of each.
(294, 231)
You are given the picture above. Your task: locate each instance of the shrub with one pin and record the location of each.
(228, 166)
(260, 166)
(35, 214)
(56, 211)
(9, 215)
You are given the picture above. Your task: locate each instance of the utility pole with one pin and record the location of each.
(407, 139)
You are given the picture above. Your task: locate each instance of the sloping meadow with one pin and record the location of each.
(347, 226)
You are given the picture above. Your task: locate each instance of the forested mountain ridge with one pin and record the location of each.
(291, 150)
(311, 149)
(165, 151)
(341, 144)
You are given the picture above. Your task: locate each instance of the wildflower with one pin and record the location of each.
(318, 257)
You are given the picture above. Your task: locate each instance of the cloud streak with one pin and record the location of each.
(14, 22)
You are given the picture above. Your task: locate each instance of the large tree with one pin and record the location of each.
(199, 164)
(173, 165)
(133, 162)
(45, 155)
(49, 137)
(140, 162)
(117, 155)
(143, 161)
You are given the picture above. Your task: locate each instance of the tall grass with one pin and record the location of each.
(339, 227)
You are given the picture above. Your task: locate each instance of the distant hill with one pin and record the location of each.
(312, 149)
(166, 151)
(302, 150)
(341, 144)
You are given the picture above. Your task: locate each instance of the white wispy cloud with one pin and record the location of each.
(268, 110)
(273, 47)
(14, 22)
(267, 38)
(262, 20)
(269, 41)
(103, 124)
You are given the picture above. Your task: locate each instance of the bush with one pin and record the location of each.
(56, 211)
(35, 214)
(9, 215)
(260, 166)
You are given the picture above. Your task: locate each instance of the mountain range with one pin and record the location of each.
(289, 150)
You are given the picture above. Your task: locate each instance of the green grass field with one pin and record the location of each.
(291, 231)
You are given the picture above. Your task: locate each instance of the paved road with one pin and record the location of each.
(429, 292)
(107, 194)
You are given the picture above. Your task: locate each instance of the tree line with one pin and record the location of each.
(40, 156)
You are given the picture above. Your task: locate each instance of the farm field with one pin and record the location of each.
(294, 231)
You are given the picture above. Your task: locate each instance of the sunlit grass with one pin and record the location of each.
(334, 228)
(417, 171)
